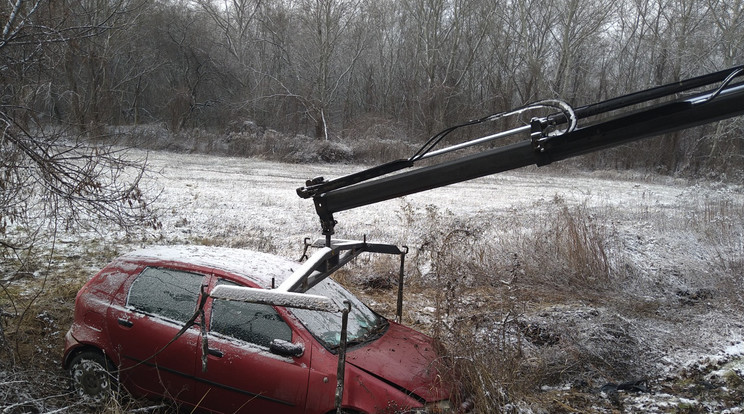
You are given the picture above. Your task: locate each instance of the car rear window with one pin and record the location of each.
(249, 322)
(165, 292)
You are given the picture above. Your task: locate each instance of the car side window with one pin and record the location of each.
(249, 322)
(166, 292)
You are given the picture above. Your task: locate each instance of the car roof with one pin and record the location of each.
(258, 267)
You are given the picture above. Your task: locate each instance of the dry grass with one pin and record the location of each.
(36, 302)
(372, 144)
(531, 305)
(527, 304)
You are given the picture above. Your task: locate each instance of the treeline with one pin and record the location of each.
(342, 70)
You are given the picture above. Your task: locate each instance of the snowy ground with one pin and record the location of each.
(676, 234)
(669, 229)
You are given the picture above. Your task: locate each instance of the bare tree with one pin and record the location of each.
(315, 45)
(50, 176)
(577, 33)
(728, 20)
(312, 66)
(523, 50)
(235, 20)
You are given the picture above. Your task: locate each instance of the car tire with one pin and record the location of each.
(93, 376)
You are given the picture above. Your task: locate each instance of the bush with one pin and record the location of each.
(370, 146)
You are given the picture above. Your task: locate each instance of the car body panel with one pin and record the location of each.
(362, 392)
(398, 369)
(404, 357)
(144, 369)
(273, 384)
(137, 340)
(255, 267)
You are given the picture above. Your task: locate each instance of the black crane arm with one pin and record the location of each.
(542, 146)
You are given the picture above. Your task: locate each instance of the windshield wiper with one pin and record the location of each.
(374, 333)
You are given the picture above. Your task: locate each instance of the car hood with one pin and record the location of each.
(406, 359)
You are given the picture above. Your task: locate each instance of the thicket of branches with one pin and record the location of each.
(54, 174)
(338, 69)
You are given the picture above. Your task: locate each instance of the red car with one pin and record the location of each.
(258, 359)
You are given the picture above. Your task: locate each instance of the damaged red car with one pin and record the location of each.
(146, 324)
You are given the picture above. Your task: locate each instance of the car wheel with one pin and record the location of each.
(92, 376)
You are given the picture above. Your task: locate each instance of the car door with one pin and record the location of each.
(242, 375)
(159, 302)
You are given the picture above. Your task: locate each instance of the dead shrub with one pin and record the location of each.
(378, 151)
(719, 222)
(491, 376)
(573, 247)
(250, 140)
(486, 279)
(567, 252)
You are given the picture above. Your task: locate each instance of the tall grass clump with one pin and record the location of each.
(487, 281)
(720, 222)
(570, 251)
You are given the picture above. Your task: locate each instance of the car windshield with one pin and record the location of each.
(364, 324)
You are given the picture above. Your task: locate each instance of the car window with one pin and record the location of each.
(249, 322)
(166, 292)
(326, 326)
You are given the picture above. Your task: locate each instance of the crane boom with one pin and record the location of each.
(544, 143)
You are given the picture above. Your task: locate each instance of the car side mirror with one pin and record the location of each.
(284, 348)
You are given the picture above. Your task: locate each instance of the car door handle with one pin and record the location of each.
(125, 322)
(215, 352)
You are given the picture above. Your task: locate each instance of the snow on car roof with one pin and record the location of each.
(256, 266)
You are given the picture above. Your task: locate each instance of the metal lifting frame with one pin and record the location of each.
(333, 255)
(545, 144)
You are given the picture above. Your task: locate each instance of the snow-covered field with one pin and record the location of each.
(675, 318)
(675, 234)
